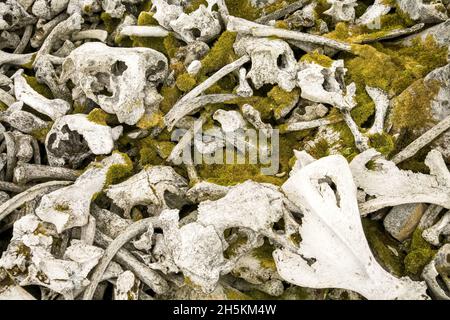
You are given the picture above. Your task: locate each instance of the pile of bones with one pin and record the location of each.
(86, 86)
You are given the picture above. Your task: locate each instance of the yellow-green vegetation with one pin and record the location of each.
(3, 106)
(149, 121)
(98, 116)
(185, 82)
(38, 87)
(317, 58)
(383, 143)
(419, 255)
(283, 99)
(61, 207)
(170, 97)
(41, 134)
(390, 68)
(380, 243)
(221, 54)
(321, 149)
(264, 255)
(233, 294)
(245, 9)
(118, 172)
(412, 108)
(109, 22)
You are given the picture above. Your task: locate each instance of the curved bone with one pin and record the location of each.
(404, 186)
(334, 252)
(55, 108)
(437, 268)
(381, 100)
(15, 58)
(442, 227)
(69, 207)
(144, 31)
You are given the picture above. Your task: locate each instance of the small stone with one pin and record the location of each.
(402, 220)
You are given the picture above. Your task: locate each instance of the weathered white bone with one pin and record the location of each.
(160, 186)
(14, 16)
(244, 89)
(43, 29)
(334, 252)
(144, 31)
(438, 268)
(54, 108)
(254, 117)
(6, 98)
(96, 34)
(342, 10)
(257, 30)
(124, 72)
(48, 9)
(373, 14)
(381, 100)
(9, 40)
(194, 67)
(273, 61)
(69, 207)
(15, 58)
(203, 191)
(404, 186)
(23, 121)
(99, 138)
(298, 126)
(85, 7)
(127, 287)
(423, 12)
(202, 24)
(230, 121)
(440, 33)
(196, 249)
(441, 228)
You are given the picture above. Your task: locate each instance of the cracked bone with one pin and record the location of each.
(84, 7)
(127, 287)
(69, 207)
(203, 191)
(381, 100)
(254, 117)
(373, 14)
(342, 10)
(202, 24)
(48, 9)
(230, 121)
(53, 108)
(14, 16)
(424, 12)
(404, 186)
(273, 61)
(196, 249)
(23, 121)
(8, 40)
(440, 33)
(127, 73)
(441, 228)
(159, 186)
(244, 89)
(43, 29)
(439, 268)
(334, 252)
(62, 139)
(24, 173)
(15, 58)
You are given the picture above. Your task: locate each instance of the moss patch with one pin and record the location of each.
(118, 172)
(185, 82)
(98, 116)
(420, 254)
(40, 88)
(317, 58)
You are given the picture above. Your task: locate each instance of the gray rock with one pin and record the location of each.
(402, 220)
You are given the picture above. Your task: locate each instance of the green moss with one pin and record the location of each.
(98, 116)
(383, 143)
(194, 5)
(170, 97)
(61, 207)
(41, 134)
(420, 254)
(321, 149)
(146, 19)
(380, 242)
(109, 22)
(283, 99)
(3, 106)
(118, 172)
(149, 156)
(412, 108)
(264, 255)
(38, 87)
(153, 120)
(317, 58)
(233, 294)
(221, 54)
(185, 82)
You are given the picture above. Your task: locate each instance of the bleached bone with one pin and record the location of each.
(203, 191)
(15, 58)
(254, 117)
(129, 74)
(196, 249)
(39, 267)
(284, 11)
(298, 126)
(96, 34)
(65, 133)
(230, 121)
(194, 67)
(440, 33)
(424, 12)
(24, 173)
(342, 10)
(160, 186)
(48, 9)
(244, 89)
(246, 27)
(373, 14)
(54, 108)
(251, 206)
(404, 186)
(43, 29)
(144, 31)
(439, 268)
(6, 98)
(15, 292)
(422, 141)
(69, 207)
(84, 7)
(334, 252)
(23, 121)
(127, 287)
(441, 228)
(14, 16)
(396, 33)
(273, 61)
(9, 40)
(381, 100)
(202, 24)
